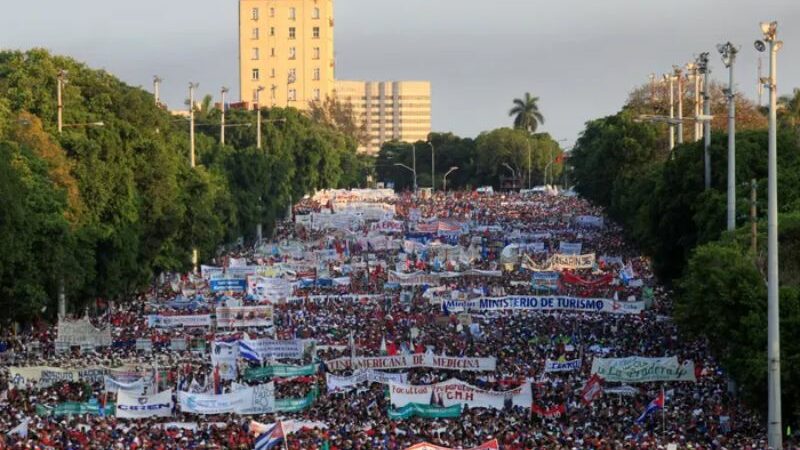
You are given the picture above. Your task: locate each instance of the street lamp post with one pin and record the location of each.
(433, 167)
(705, 70)
(444, 180)
(223, 91)
(691, 68)
(728, 52)
(412, 170)
(414, 164)
(775, 439)
(192, 87)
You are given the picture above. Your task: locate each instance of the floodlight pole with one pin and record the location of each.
(671, 112)
(728, 52)
(679, 76)
(192, 87)
(62, 76)
(705, 70)
(223, 91)
(775, 439)
(258, 116)
(157, 89)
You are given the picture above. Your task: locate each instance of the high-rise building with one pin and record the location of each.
(390, 110)
(286, 48)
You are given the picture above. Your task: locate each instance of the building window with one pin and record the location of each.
(292, 75)
(272, 72)
(254, 34)
(316, 74)
(254, 14)
(292, 33)
(316, 94)
(315, 32)
(256, 75)
(292, 13)
(272, 52)
(292, 95)
(315, 13)
(292, 53)
(254, 53)
(272, 12)
(272, 31)
(255, 96)
(316, 52)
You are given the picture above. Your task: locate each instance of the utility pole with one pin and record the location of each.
(774, 436)
(679, 76)
(728, 52)
(668, 78)
(258, 116)
(192, 87)
(223, 91)
(157, 89)
(702, 65)
(753, 223)
(61, 78)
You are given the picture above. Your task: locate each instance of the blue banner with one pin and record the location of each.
(228, 284)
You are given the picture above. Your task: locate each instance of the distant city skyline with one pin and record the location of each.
(580, 57)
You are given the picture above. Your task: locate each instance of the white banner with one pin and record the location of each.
(272, 289)
(560, 262)
(130, 406)
(244, 316)
(250, 400)
(456, 392)
(410, 361)
(544, 303)
(268, 348)
(636, 369)
(135, 388)
(224, 355)
(209, 272)
(338, 383)
(562, 366)
(159, 321)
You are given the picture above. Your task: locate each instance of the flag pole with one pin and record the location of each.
(663, 412)
(285, 436)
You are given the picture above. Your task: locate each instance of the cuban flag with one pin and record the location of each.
(267, 436)
(248, 351)
(655, 405)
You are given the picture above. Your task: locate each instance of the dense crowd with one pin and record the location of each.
(484, 244)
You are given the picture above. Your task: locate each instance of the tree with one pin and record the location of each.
(339, 116)
(526, 113)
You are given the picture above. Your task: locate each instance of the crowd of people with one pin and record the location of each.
(366, 277)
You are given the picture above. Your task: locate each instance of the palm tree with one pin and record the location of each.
(526, 112)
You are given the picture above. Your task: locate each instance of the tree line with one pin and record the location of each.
(107, 208)
(719, 277)
(519, 156)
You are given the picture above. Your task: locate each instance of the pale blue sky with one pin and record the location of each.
(581, 57)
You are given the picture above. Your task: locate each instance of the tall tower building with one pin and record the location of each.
(286, 48)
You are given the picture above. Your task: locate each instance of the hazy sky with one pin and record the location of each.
(581, 57)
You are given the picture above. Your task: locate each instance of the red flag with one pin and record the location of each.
(592, 390)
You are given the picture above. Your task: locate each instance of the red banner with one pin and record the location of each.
(571, 278)
(555, 411)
